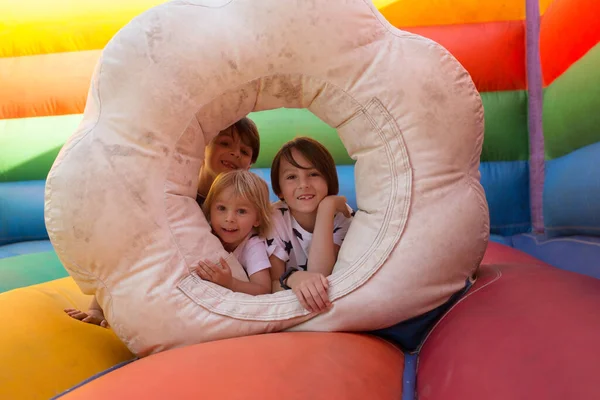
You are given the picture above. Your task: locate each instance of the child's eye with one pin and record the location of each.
(220, 208)
(242, 211)
(245, 152)
(290, 177)
(224, 143)
(314, 173)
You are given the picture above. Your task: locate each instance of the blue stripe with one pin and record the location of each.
(572, 193)
(506, 185)
(22, 212)
(96, 376)
(409, 379)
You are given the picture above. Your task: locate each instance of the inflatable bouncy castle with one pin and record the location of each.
(451, 122)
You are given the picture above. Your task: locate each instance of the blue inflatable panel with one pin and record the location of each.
(22, 212)
(579, 254)
(17, 249)
(506, 185)
(345, 177)
(572, 193)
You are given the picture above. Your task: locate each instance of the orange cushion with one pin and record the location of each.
(273, 366)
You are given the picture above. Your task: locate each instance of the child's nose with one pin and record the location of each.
(303, 181)
(235, 151)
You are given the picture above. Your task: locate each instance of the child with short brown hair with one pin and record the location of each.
(310, 221)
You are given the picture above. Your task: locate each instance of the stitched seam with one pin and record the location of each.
(391, 202)
(183, 287)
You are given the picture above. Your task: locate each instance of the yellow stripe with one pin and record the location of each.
(29, 27)
(383, 3)
(406, 13)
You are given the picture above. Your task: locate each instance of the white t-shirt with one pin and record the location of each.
(252, 254)
(289, 242)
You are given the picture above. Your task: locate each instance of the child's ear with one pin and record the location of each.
(256, 223)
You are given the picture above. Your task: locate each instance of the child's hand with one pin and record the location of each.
(221, 275)
(94, 317)
(311, 290)
(335, 204)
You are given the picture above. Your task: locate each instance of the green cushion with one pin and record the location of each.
(30, 269)
(572, 107)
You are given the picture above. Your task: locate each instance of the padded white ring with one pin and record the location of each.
(120, 206)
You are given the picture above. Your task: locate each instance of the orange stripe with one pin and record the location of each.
(492, 52)
(46, 84)
(569, 29)
(451, 12)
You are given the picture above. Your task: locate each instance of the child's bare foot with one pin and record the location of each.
(93, 317)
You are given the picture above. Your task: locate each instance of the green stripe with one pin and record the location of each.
(29, 269)
(572, 107)
(28, 146)
(281, 125)
(506, 134)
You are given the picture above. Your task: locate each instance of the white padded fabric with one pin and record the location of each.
(120, 206)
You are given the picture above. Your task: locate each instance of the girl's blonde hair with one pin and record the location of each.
(250, 187)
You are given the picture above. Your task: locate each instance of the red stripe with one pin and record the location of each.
(492, 52)
(569, 29)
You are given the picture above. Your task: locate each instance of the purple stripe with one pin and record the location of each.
(536, 132)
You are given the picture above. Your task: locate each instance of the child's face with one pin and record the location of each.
(227, 152)
(302, 189)
(232, 218)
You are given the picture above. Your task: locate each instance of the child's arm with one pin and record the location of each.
(260, 281)
(277, 269)
(323, 251)
(94, 315)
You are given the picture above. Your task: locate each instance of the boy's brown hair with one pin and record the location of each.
(249, 186)
(248, 133)
(316, 153)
